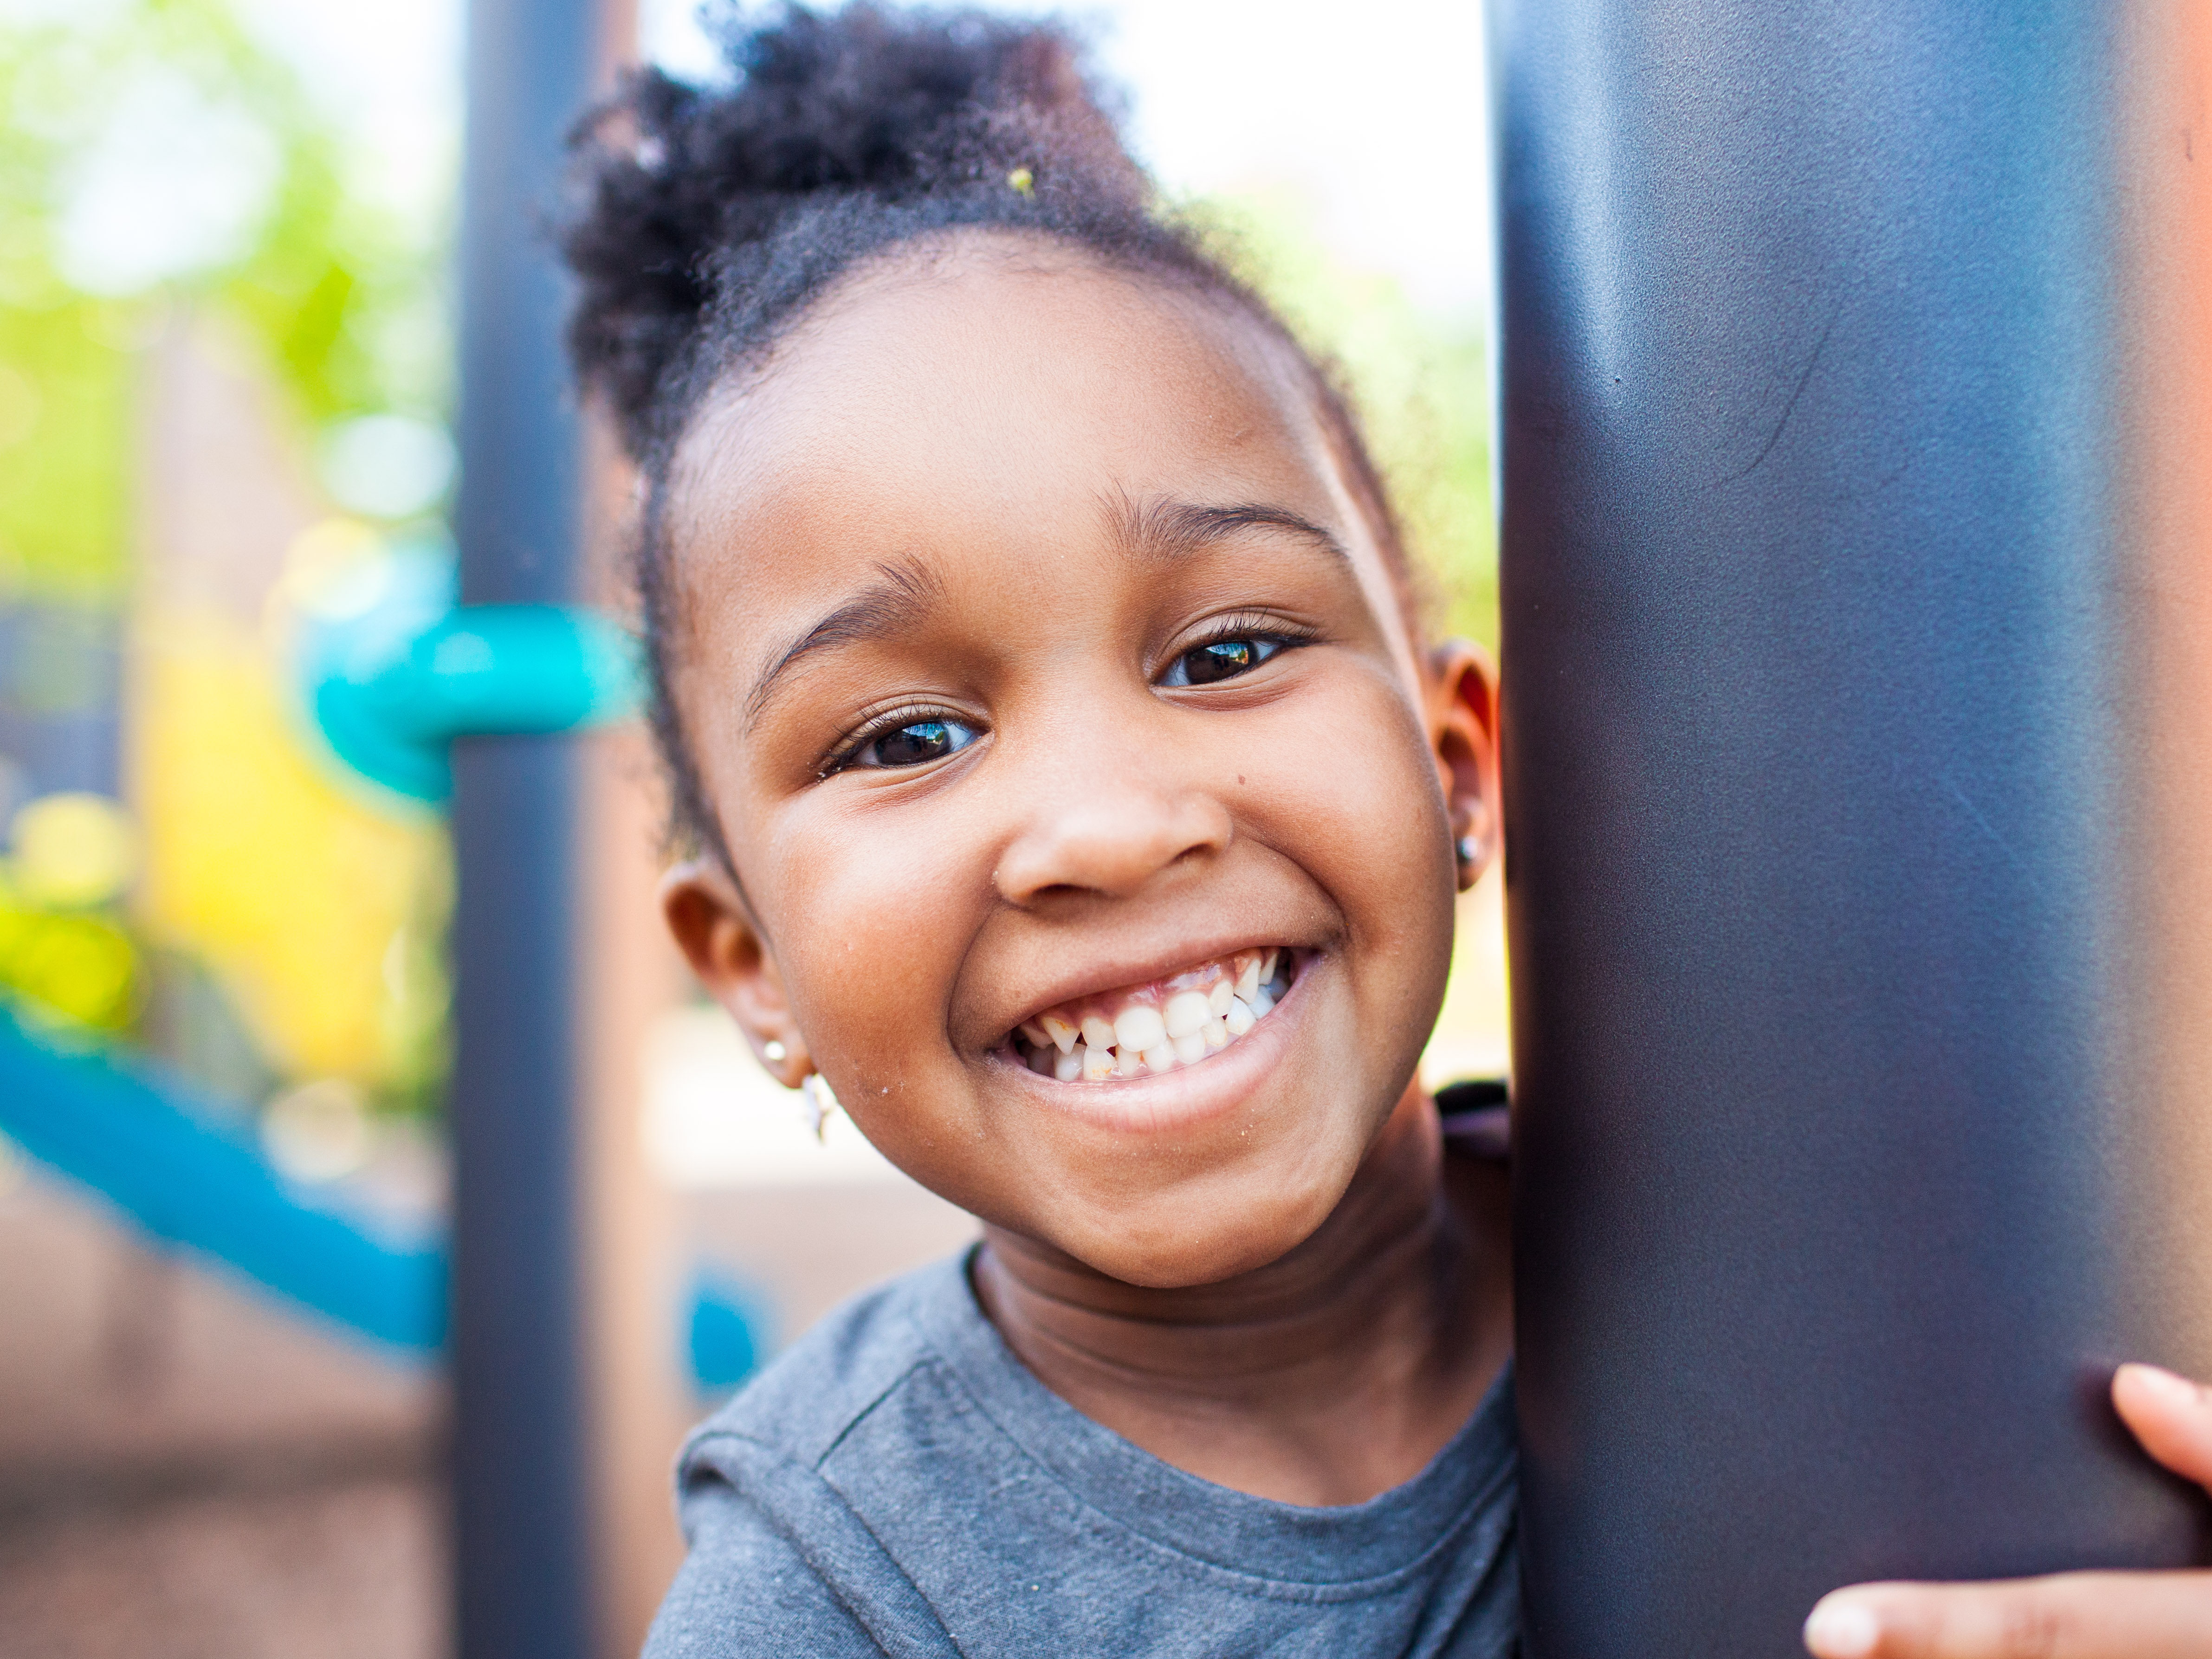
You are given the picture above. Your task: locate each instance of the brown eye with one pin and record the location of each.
(1222, 660)
(915, 744)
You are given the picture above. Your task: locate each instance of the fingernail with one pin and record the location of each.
(1841, 1628)
(2171, 1389)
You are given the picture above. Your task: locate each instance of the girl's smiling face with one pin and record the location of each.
(1033, 653)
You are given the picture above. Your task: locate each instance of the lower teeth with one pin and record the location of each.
(1092, 1061)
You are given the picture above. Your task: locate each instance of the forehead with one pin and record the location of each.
(988, 378)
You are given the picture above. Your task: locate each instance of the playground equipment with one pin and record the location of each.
(394, 679)
(522, 1555)
(396, 683)
(1857, 395)
(185, 1169)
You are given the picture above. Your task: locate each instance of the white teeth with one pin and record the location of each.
(1138, 1027)
(1157, 1037)
(1186, 1013)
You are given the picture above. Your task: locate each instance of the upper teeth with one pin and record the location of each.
(1138, 1027)
(1177, 1021)
(1186, 1014)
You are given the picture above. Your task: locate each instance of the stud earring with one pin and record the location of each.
(774, 1052)
(1473, 842)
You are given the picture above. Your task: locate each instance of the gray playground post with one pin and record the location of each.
(1855, 693)
(520, 1456)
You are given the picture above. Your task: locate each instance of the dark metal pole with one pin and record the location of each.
(518, 1455)
(1861, 1110)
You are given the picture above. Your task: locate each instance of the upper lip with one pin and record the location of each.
(1111, 973)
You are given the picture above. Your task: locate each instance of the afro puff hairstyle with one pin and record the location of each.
(708, 218)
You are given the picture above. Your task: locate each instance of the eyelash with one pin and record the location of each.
(884, 725)
(1249, 625)
(1263, 630)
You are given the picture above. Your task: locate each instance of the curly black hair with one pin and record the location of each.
(710, 217)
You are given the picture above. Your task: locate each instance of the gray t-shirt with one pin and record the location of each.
(898, 1482)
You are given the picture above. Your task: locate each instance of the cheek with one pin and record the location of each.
(869, 938)
(1346, 786)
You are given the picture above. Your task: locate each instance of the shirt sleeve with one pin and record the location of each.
(745, 1593)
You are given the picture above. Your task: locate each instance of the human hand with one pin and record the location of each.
(2069, 1615)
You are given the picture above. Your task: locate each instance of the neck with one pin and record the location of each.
(1326, 1376)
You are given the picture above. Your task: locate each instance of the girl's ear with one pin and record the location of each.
(1463, 735)
(709, 920)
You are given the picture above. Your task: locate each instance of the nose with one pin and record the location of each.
(1109, 834)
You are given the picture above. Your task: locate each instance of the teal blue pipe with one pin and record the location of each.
(185, 1169)
(394, 683)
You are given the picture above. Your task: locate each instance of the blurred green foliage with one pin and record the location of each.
(343, 293)
(62, 947)
(1416, 380)
(77, 965)
(160, 163)
(64, 430)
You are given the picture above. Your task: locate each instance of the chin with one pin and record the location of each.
(1184, 1240)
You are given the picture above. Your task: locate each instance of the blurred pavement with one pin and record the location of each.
(185, 1471)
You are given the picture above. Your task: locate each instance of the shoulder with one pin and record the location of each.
(808, 1398)
(1476, 1117)
(779, 1562)
(746, 1591)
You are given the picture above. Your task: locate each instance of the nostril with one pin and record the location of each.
(1108, 840)
(1056, 891)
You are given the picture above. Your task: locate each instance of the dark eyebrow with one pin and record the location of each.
(1175, 529)
(900, 593)
(1156, 529)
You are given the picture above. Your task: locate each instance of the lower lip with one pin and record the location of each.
(1216, 1087)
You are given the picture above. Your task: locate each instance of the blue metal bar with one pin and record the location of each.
(522, 1569)
(167, 1158)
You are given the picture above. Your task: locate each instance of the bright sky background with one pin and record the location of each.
(1372, 110)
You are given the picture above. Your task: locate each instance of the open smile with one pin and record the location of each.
(1178, 1020)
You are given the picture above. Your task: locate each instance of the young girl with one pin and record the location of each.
(1045, 698)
